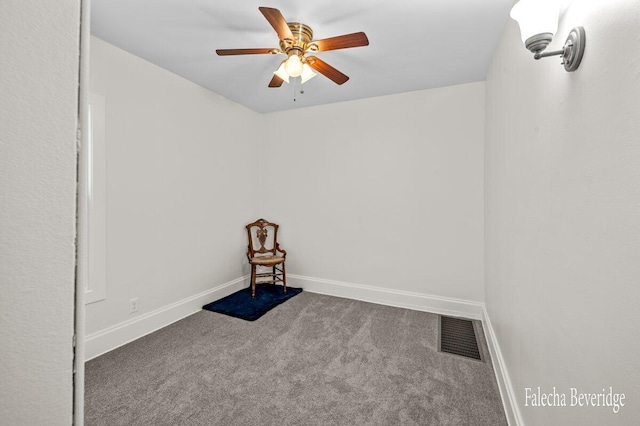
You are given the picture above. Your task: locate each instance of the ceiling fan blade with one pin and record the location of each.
(327, 70)
(229, 52)
(342, 42)
(276, 81)
(278, 22)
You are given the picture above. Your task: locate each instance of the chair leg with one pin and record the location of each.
(253, 280)
(284, 279)
(273, 274)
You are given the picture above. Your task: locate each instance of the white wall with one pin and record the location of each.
(38, 121)
(563, 214)
(386, 192)
(181, 172)
(187, 169)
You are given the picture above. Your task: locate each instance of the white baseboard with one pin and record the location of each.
(385, 296)
(120, 334)
(514, 417)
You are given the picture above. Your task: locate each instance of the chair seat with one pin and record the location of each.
(269, 260)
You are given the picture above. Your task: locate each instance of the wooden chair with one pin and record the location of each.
(268, 255)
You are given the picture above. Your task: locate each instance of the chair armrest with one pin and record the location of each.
(284, 253)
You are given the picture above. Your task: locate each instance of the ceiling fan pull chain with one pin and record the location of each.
(295, 80)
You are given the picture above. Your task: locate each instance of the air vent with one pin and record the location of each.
(458, 337)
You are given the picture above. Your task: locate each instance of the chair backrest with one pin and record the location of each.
(262, 241)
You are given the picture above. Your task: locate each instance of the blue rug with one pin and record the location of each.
(241, 305)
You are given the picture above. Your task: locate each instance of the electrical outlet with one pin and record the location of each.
(133, 305)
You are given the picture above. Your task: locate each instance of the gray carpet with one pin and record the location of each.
(314, 360)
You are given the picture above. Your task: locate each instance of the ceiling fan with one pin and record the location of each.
(296, 40)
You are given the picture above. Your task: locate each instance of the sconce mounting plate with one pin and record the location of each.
(574, 49)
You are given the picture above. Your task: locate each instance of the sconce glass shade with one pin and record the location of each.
(307, 73)
(536, 17)
(280, 72)
(293, 66)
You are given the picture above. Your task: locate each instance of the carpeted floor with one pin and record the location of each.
(314, 360)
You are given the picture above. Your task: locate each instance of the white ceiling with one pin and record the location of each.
(414, 44)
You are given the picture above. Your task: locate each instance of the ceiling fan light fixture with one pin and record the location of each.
(293, 66)
(307, 73)
(282, 73)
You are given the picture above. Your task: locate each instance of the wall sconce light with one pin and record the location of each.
(538, 20)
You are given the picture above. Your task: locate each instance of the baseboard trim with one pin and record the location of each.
(390, 297)
(514, 417)
(120, 334)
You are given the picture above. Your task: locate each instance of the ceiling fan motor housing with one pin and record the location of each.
(301, 43)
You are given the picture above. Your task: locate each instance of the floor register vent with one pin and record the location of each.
(458, 336)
